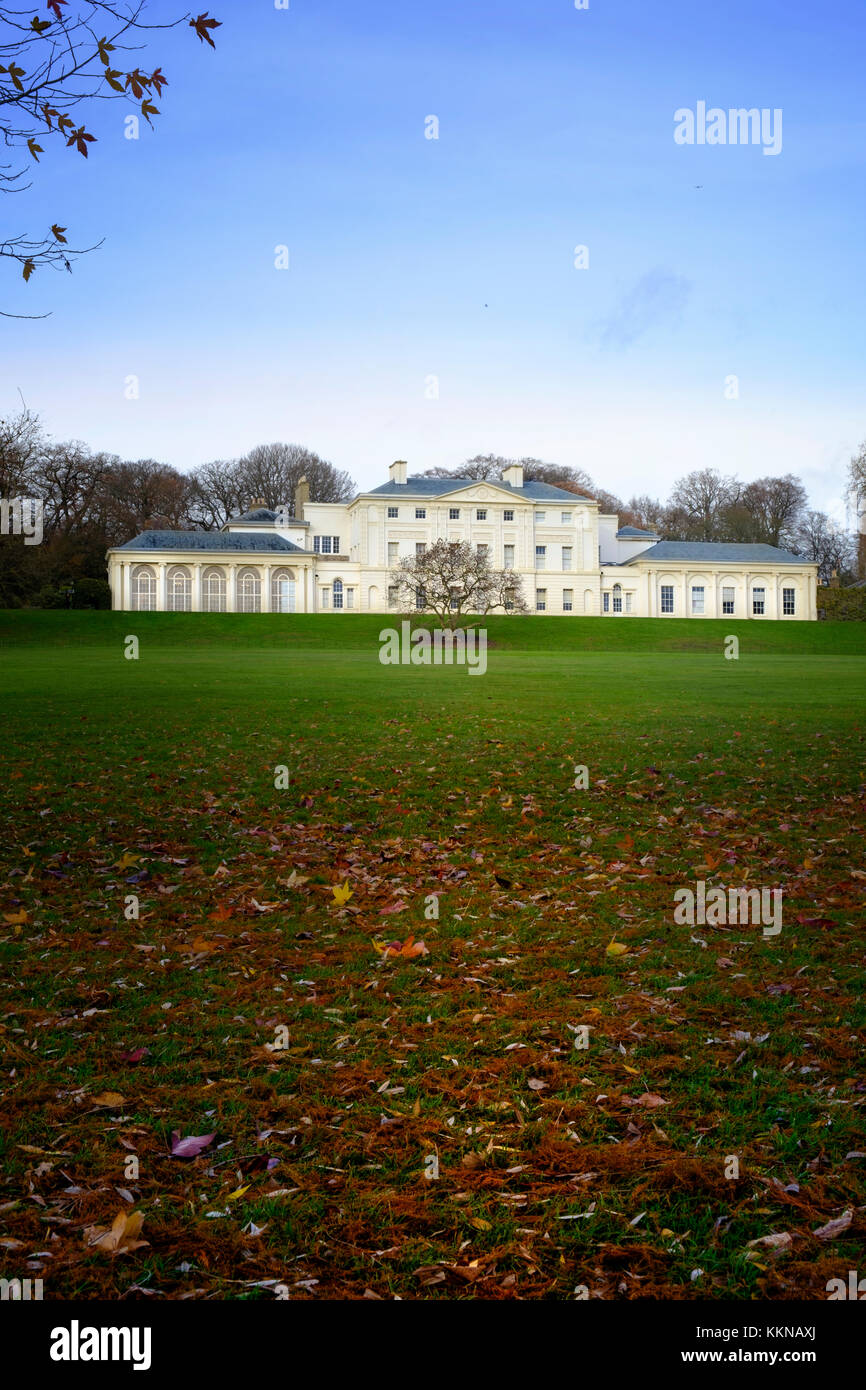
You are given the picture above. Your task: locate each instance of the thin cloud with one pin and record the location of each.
(658, 298)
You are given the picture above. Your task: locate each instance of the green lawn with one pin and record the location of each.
(557, 1167)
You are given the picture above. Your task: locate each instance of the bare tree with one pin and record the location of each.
(453, 581)
(21, 440)
(70, 480)
(271, 472)
(776, 505)
(648, 512)
(136, 493)
(698, 503)
(215, 494)
(826, 545)
(856, 489)
(557, 475)
(479, 468)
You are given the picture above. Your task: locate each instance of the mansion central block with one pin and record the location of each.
(567, 557)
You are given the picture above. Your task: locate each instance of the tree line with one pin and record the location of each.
(93, 500)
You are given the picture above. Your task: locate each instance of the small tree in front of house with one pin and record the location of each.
(454, 581)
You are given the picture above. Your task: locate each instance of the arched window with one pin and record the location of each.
(617, 598)
(249, 592)
(213, 591)
(144, 590)
(282, 591)
(179, 590)
(338, 593)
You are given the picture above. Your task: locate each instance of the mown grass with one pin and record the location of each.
(156, 777)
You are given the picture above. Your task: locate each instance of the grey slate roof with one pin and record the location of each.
(208, 540)
(262, 516)
(715, 551)
(437, 487)
(634, 533)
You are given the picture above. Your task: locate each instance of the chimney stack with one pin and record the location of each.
(397, 472)
(302, 497)
(513, 475)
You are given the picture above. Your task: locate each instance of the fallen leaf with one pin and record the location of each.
(121, 1238)
(191, 1146)
(836, 1227)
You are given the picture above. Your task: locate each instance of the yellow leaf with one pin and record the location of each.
(16, 919)
(634, 1071)
(616, 948)
(110, 1099)
(238, 1192)
(342, 893)
(121, 1238)
(126, 861)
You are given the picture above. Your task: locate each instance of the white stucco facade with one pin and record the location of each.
(568, 559)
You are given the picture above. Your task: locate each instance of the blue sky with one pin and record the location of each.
(413, 259)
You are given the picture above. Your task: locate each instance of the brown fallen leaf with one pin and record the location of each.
(649, 1100)
(836, 1227)
(109, 1099)
(122, 1236)
(779, 1240)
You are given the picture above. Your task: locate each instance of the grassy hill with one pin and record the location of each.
(360, 631)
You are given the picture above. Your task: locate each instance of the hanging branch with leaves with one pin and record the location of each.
(53, 66)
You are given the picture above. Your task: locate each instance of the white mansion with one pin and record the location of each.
(568, 557)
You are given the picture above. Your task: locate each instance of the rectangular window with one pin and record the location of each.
(508, 515)
(481, 514)
(508, 557)
(392, 595)
(728, 596)
(605, 603)
(565, 518)
(567, 600)
(324, 602)
(539, 516)
(420, 513)
(628, 603)
(788, 603)
(697, 598)
(317, 544)
(350, 598)
(540, 600)
(420, 547)
(420, 598)
(393, 550)
(540, 556)
(667, 598)
(326, 545)
(482, 551)
(453, 513)
(757, 602)
(393, 512)
(566, 557)
(336, 541)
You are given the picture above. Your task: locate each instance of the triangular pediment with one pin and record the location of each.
(486, 491)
